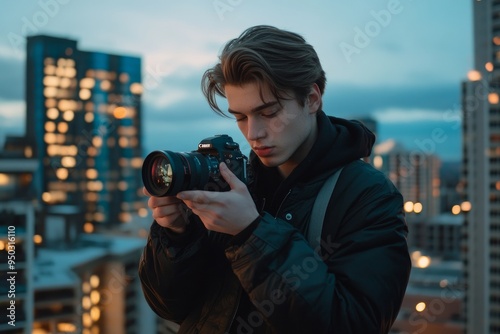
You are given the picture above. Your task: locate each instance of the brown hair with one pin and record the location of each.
(278, 59)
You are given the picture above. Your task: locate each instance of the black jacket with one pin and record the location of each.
(268, 279)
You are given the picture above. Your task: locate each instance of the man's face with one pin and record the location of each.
(281, 135)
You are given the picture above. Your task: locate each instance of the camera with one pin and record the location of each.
(166, 173)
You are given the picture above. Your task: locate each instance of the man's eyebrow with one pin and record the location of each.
(256, 109)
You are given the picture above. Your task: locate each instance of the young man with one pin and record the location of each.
(259, 274)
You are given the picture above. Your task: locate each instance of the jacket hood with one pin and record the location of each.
(339, 142)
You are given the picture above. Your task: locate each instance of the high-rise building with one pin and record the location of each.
(415, 174)
(481, 171)
(83, 124)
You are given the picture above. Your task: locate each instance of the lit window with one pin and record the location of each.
(123, 142)
(88, 83)
(50, 103)
(122, 185)
(50, 126)
(136, 88)
(92, 173)
(52, 113)
(66, 327)
(136, 162)
(68, 115)
(50, 138)
(97, 141)
(85, 94)
(86, 320)
(120, 112)
(89, 117)
(95, 313)
(50, 80)
(88, 227)
(65, 105)
(68, 162)
(125, 217)
(62, 173)
(60, 71)
(493, 98)
(94, 281)
(62, 127)
(49, 70)
(474, 75)
(408, 206)
(37, 239)
(489, 66)
(4, 179)
(423, 262)
(105, 85)
(455, 209)
(466, 206)
(124, 78)
(95, 297)
(46, 197)
(65, 83)
(417, 207)
(50, 92)
(142, 212)
(28, 152)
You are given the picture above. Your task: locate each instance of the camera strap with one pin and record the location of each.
(319, 210)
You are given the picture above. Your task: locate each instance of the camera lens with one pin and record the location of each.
(165, 173)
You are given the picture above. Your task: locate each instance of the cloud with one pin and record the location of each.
(400, 115)
(12, 112)
(355, 100)
(11, 78)
(12, 119)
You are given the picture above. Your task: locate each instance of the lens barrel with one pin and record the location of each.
(166, 173)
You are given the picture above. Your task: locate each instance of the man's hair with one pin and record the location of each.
(278, 59)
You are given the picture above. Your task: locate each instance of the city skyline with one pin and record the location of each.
(399, 61)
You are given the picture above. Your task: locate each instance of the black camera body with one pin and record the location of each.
(166, 173)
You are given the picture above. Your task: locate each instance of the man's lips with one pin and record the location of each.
(263, 151)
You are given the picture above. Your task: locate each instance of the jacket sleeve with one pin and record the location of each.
(172, 269)
(355, 286)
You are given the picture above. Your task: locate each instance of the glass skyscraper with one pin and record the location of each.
(84, 126)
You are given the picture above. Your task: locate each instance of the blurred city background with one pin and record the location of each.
(88, 89)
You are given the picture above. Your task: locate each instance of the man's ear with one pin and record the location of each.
(314, 99)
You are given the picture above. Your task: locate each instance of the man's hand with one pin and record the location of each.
(168, 212)
(227, 212)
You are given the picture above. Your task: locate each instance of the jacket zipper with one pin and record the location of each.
(235, 309)
(281, 204)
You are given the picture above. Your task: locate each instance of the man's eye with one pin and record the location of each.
(270, 114)
(240, 119)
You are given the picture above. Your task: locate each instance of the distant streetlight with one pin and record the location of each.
(420, 307)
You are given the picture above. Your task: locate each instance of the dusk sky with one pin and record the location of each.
(401, 62)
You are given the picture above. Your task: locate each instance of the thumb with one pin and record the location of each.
(229, 177)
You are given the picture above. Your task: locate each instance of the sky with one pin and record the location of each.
(400, 62)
